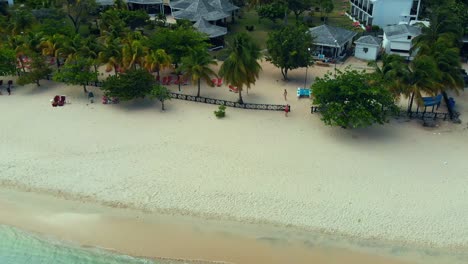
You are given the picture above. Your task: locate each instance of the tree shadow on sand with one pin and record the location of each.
(138, 104)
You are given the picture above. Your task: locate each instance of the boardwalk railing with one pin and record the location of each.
(270, 107)
(413, 115)
(205, 100)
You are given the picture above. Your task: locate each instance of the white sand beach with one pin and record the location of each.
(398, 182)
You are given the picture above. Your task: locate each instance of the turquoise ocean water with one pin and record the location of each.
(20, 247)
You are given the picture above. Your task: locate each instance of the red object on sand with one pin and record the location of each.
(219, 82)
(233, 89)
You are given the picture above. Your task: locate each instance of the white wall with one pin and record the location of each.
(371, 54)
(401, 43)
(391, 12)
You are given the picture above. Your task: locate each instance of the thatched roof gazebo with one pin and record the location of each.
(211, 30)
(198, 9)
(224, 5)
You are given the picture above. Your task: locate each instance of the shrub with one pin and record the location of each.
(221, 111)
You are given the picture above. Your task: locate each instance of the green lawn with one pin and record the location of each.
(262, 27)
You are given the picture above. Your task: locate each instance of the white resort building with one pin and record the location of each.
(384, 12)
(398, 39)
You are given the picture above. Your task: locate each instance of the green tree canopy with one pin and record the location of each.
(353, 99)
(273, 11)
(178, 42)
(161, 93)
(241, 68)
(197, 66)
(130, 85)
(288, 48)
(39, 69)
(77, 72)
(299, 6)
(7, 61)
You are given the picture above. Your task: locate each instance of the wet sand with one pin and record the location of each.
(162, 236)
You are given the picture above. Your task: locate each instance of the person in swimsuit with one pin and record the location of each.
(286, 111)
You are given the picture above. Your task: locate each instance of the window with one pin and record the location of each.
(409, 37)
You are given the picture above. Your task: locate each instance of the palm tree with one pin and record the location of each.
(448, 63)
(72, 47)
(133, 50)
(197, 66)
(51, 47)
(91, 49)
(111, 54)
(241, 68)
(442, 24)
(156, 60)
(411, 80)
(17, 43)
(21, 20)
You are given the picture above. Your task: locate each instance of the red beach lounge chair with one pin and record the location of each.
(169, 80)
(164, 80)
(219, 82)
(233, 89)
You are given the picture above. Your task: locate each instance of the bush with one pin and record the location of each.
(221, 111)
(375, 28)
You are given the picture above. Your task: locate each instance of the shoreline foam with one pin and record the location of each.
(181, 238)
(378, 182)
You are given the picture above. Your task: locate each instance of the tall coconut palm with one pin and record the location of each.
(156, 60)
(91, 49)
(197, 66)
(241, 68)
(443, 24)
(17, 43)
(111, 54)
(21, 21)
(410, 79)
(51, 47)
(72, 47)
(133, 53)
(448, 63)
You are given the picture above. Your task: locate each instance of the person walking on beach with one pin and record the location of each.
(285, 94)
(8, 90)
(91, 97)
(286, 110)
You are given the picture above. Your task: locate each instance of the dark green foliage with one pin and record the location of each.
(353, 99)
(161, 93)
(273, 11)
(298, 7)
(133, 84)
(288, 48)
(77, 72)
(241, 68)
(7, 61)
(221, 112)
(39, 70)
(178, 42)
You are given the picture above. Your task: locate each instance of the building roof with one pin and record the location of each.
(200, 8)
(213, 31)
(182, 4)
(145, 2)
(224, 5)
(369, 40)
(402, 29)
(326, 35)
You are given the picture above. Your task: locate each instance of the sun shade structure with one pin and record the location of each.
(180, 5)
(198, 9)
(145, 2)
(331, 36)
(224, 5)
(213, 31)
